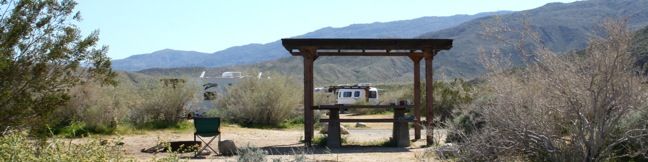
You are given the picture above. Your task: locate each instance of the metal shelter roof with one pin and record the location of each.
(364, 47)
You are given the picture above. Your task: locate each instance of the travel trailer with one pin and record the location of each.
(220, 84)
(214, 87)
(355, 94)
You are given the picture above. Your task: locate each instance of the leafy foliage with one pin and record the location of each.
(42, 56)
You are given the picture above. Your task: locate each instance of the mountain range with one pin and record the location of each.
(560, 27)
(254, 53)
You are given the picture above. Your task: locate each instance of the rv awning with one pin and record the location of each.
(365, 47)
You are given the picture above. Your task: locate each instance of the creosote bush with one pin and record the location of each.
(261, 102)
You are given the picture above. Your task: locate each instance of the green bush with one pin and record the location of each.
(43, 56)
(74, 129)
(261, 102)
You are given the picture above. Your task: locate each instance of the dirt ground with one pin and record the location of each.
(285, 143)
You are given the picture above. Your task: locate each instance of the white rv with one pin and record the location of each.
(352, 96)
(214, 87)
(355, 94)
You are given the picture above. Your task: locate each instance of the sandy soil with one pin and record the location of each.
(284, 143)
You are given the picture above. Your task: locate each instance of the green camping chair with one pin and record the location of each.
(207, 127)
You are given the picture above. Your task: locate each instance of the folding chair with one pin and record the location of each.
(207, 127)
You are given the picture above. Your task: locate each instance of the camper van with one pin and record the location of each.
(353, 96)
(355, 93)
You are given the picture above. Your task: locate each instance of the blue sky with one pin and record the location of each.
(131, 27)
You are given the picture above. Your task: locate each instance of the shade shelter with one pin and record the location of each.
(415, 49)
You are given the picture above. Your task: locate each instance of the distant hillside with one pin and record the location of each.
(254, 53)
(561, 27)
(162, 58)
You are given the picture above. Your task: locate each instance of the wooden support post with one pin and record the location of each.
(395, 133)
(429, 96)
(366, 94)
(309, 59)
(334, 139)
(416, 59)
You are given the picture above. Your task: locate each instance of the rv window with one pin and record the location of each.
(347, 94)
(372, 94)
(356, 94)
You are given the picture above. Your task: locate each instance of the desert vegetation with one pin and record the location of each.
(262, 102)
(586, 106)
(41, 60)
(122, 108)
(57, 81)
(449, 96)
(57, 90)
(18, 147)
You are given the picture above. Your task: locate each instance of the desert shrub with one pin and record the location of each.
(251, 154)
(321, 140)
(98, 108)
(366, 111)
(394, 93)
(261, 102)
(324, 98)
(428, 154)
(449, 95)
(18, 147)
(464, 125)
(161, 106)
(564, 108)
(137, 102)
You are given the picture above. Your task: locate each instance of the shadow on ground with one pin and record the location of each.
(296, 149)
(299, 149)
